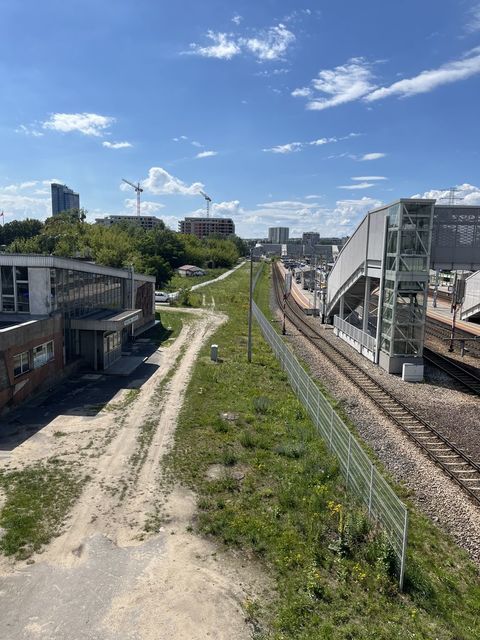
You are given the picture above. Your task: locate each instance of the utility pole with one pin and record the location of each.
(250, 309)
(315, 287)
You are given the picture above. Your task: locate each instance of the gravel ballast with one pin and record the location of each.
(440, 401)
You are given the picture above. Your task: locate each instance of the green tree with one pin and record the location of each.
(19, 229)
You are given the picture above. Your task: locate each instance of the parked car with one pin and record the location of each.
(161, 296)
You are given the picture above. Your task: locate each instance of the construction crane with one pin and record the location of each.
(208, 201)
(138, 191)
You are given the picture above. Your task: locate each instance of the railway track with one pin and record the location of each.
(462, 375)
(442, 332)
(453, 461)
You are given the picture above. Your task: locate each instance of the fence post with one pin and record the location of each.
(404, 551)
(371, 489)
(332, 415)
(348, 458)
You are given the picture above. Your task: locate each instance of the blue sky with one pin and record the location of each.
(300, 115)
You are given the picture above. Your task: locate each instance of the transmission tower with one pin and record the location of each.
(452, 198)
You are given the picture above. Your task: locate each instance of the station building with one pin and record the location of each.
(56, 313)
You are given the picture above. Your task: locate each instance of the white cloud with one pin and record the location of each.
(147, 208)
(17, 203)
(237, 19)
(224, 47)
(116, 145)
(194, 143)
(473, 23)
(287, 204)
(286, 148)
(313, 196)
(431, 79)
(15, 188)
(160, 182)
(332, 87)
(371, 156)
(29, 130)
(90, 124)
(266, 45)
(271, 44)
(297, 146)
(368, 178)
(206, 154)
(302, 92)
(467, 194)
(359, 185)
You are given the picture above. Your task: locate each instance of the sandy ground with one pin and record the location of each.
(105, 577)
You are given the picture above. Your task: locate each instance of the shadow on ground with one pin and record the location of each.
(84, 394)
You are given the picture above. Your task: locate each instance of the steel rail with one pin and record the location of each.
(455, 370)
(458, 466)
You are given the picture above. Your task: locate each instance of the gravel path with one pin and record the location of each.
(454, 412)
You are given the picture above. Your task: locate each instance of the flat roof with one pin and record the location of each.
(107, 320)
(56, 262)
(7, 324)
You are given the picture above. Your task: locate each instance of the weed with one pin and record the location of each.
(37, 501)
(333, 570)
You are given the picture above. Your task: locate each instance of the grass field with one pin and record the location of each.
(178, 282)
(37, 500)
(276, 493)
(170, 324)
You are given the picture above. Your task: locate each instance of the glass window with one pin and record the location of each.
(21, 273)
(7, 280)
(23, 304)
(21, 363)
(42, 354)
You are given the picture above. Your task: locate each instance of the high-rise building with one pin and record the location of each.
(63, 199)
(203, 227)
(278, 235)
(311, 237)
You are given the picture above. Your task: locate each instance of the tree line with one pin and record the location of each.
(157, 252)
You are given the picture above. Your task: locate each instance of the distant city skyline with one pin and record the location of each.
(304, 117)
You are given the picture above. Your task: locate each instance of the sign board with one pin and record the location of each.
(288, 283)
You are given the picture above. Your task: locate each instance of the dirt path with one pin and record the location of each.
(105, 577)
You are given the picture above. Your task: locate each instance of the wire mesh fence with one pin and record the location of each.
(361, 476)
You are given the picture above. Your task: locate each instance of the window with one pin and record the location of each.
(21, 363)
(42, 354)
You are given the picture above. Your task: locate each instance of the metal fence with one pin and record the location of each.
(363, 339)
(361, 476)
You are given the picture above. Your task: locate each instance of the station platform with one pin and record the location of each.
(303, 297)
(443, 314)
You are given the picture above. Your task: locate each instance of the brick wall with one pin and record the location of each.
(15, 389)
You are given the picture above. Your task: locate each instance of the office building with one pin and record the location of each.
(204, 227)
(58, 312)
(278, 235)
(146, 222)
(311, 237)
(63, 199)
